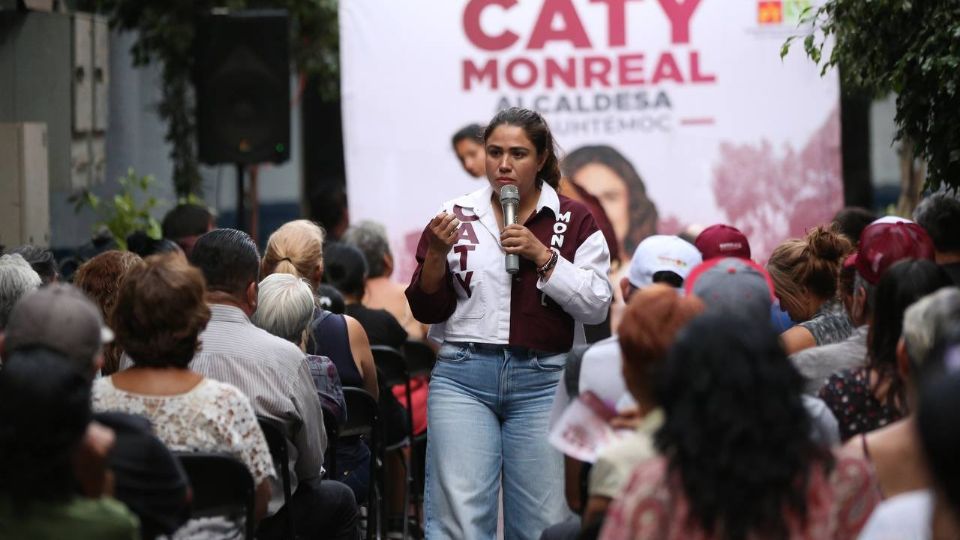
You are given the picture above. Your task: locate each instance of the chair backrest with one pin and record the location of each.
(392, 367)
(222, 486)
(363, 418)
(363, 414)
(420, 358)
(391, 364)
(274, 432)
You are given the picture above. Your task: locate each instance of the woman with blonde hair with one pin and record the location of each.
(804, 273)
(296, 248)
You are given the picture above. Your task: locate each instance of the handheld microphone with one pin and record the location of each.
(510, 202)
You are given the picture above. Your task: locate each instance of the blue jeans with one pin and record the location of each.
(488, 412)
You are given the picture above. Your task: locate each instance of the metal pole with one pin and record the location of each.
(241, 213)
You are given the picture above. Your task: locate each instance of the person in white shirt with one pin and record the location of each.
(505, 336)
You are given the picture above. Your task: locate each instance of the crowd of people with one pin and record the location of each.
(809, 395)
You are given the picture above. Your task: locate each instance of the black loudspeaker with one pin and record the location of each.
(242, 80)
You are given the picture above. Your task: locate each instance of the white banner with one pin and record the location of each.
(674, 112)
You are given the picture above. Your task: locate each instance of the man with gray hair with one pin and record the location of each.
(895, 450)
(17, 278)
(382, 292)
(925, 323)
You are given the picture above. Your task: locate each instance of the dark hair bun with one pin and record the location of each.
(826, 243)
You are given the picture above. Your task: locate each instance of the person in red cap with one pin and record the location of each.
(873, 395)
(883, 243)
(722, 241)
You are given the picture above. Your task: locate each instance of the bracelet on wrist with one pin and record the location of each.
(554, 256)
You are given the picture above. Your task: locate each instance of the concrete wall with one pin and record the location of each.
(135, 138)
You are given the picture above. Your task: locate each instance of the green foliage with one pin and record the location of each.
(908, 47)
(166, 30)
(123, 215)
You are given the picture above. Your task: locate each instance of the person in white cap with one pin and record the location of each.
(597, 368)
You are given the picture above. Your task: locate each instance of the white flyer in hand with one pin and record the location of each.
(583, 429)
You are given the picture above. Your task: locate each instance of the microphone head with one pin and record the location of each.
(509, 193)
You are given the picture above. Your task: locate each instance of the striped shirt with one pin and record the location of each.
(274, 374)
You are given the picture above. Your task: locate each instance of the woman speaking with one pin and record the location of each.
(505, 335)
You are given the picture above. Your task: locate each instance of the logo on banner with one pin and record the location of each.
(776, 12)
(604, 85)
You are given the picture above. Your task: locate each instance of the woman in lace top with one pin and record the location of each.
(159, 314)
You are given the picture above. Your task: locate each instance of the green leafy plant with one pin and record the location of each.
(165, 33)
(911, 48)
(124, 214)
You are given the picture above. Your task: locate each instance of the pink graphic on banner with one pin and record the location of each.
(773, 196)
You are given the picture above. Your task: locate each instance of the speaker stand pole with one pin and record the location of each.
(241, 213)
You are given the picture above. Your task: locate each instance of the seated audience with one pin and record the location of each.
(381, 292)
(346, 270)
(285, 306)
(274, 376)
(650, 322)
(939, 215)
(146, 476)
(883, 243)
(185, 223)
(894, 450)
(41, 260)
(160, 313)
(816, 364)
(285, 309)
(742, 287)
(720, 240)
(804, 273)
(852, 220)
(328, 298)
(598, 367)
(44, 414)
(869, 397)
(296, 248)
(142, 244)
(737, 459)
(16, 280)
(932, 513)
(100, 278)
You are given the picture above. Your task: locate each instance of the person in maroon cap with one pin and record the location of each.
(870, 396)
(722, 241)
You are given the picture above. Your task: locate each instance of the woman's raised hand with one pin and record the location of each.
(444, 231)
(518, 240)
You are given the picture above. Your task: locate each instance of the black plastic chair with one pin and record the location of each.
(420, 358)
(392, 366)
(420, 362)
(222, 486)
(363, 419)
(273, 431)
